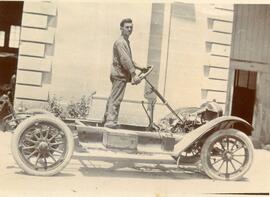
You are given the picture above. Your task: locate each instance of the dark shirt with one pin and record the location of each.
(122, 65)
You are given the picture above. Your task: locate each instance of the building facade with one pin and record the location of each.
(200, 52)
(249, 74)
(186, 43)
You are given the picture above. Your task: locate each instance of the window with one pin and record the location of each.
(245, 79)
(2, 38)
(14, 36)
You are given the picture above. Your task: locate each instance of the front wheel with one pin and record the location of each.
(227, 155)
(42, 145)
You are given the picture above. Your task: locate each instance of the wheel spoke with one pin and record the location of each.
(227, 168)
(29, 133)
(233, 165)
(237, 161)
(30, 140)
(43, 131)
(239, 155)
(56, 143)
(228, 142)
(216, 151)
(28, 147)
(216, 161)
(54, 136)
(234, 144)
(47, 132)
(34, 152)
(35, 135)
(221, 165)
(38, 157)
(37, 130)
(45, 162)
(56, 150)
(51, 156)
(239, 148)
(221, 145)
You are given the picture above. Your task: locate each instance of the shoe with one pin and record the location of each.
(111, 125)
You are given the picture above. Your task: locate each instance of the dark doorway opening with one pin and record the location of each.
(10, 27)
(244, 95)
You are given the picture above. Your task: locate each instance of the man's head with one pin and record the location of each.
(126, 27)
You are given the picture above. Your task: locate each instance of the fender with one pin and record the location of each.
(19, 117)
(223, 122)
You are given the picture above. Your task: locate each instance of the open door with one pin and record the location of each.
(10, 26)
(244, 94)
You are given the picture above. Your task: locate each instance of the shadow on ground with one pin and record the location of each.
(19, 171)
(61, 174)
(100, 166)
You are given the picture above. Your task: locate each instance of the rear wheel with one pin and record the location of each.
(227, 155)
(42, 145)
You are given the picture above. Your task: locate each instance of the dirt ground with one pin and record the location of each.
(107, 173)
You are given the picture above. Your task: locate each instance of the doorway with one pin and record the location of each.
(10, 27)
(244, 94)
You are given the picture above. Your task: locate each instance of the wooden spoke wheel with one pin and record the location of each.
(42, 145)
(227, 155)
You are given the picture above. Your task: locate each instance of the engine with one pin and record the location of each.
(192, 118)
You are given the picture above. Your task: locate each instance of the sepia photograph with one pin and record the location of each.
(140, 98)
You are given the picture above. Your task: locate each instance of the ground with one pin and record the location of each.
(106, 173)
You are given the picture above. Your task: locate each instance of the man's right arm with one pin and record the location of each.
(127, 62)
(125, 58)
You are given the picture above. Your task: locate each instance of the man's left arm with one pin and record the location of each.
(143, 69)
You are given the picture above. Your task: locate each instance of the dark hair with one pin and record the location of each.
(125, 20)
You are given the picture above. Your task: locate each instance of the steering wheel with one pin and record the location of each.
(144, 72)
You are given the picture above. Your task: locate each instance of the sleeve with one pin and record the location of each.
(124, 57)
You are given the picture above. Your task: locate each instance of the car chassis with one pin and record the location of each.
(43, 144)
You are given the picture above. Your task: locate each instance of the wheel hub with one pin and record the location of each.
(227, 156)
(43, 147)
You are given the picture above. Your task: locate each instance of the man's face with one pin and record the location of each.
(127, 29)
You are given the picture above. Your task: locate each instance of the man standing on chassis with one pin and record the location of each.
(122, 71)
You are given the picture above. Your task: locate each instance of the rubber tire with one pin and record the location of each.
(26, 124)
(218, 134)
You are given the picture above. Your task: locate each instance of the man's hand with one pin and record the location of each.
(142, 69)
(135, 79)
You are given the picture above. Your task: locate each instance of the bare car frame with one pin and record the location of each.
(43, 144)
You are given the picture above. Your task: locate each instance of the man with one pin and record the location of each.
(122, 71)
